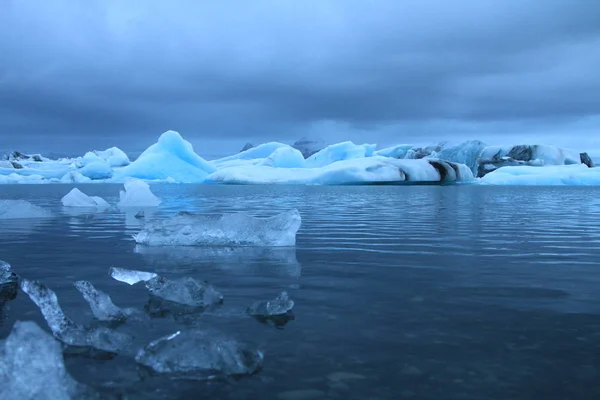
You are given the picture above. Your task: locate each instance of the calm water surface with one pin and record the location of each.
(455, 292)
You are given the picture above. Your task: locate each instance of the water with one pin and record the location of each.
(425, 292)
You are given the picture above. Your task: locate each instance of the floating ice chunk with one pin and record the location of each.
(199, 355)
(280, 306)
(237, 229)
(7, 276)
(186, 291)
(32, 367)
(101, 304)
(130, 276)
(76, 198)
(137, 193)
(340, 152)
(570, 175)
(285, 157)
(171, 157)
(67, 331)
(17, 209)
(74, 177)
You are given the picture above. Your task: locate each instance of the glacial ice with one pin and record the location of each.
(573, 175)
(238, 229)
(339, 152)
(280, 306)
(9, 289)
(398, 151)
(99, 338)
(32, 367)
(7, 276)
(74, 177)
(254, 153)
(467, 153)
(370, 170)
(171, 157)
(18, 209)
(284, 157)
(101, 304)
(137, 193)
(97, 170)
(114, 157)
(76, 198)
(213, 355)
(129, 276)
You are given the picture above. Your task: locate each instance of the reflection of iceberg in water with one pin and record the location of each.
(15, 228)
(260, 260)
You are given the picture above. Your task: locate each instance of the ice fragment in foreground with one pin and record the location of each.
(9, 288)
(7, 276)
(199, 355)
(32, 367)
(101, 304)
(130, 276)
(67, 331)
(239, 229)
(280, 306)
(137, 193)
(76, 198)
(184, 295)
(17, 209)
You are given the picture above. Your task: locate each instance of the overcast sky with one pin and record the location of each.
(77, 75)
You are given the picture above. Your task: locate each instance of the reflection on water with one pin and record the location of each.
(400, 292)
(241, 260)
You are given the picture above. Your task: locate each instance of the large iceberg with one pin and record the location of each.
(171, 157)
(76, 198)
(284, 157)
(32, 367)
(17, 209)
(467, 153)
(371, 170)
(137, 193)
(573, 175)
(253, 154)
(339, 152)
(213, 355)
(397, 151)
(238, 229)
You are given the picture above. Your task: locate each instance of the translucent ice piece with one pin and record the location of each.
(280, 306)
(130, 276)
(101, 304)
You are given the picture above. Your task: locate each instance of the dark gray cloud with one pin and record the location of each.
(120, 72)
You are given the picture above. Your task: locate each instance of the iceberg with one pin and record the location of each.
(239, 229)
(19, 209)
(467, 153)
(574, 175)
(137, 193)
(398, 151)
(114, 157)
(101, 304)
(309, 147)
(96, 170)
(213, 355)
(99, 340)
(371, 170)
(74, 177)
(280, 306)
(170, 158)
(32, 367)
(253, 154)
(129, 276)
(284, 157)
(76, 198)
(495, 157)
(339, 152)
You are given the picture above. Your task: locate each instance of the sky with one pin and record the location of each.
(76, 76)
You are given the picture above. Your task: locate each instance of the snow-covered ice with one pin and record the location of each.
(285, 157)
(32, 367)
(238, 229)
(171, 157)
(76, 198)
(213, 355)
(129, 276)
(340, 152)
(101, 304)
(281, 305)
(19, 209)
(137, 193)
(574, 175)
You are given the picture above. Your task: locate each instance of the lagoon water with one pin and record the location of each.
(402, 292)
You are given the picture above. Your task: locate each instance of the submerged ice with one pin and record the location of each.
(281, 305)
(20, 209)
(199, 354)
(239, 229)
(101, 304)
